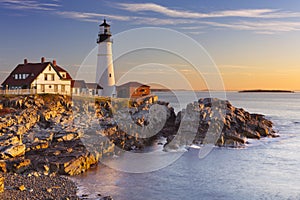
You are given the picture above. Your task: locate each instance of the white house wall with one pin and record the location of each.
(50, 85)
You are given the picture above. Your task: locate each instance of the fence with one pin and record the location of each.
(27, 92)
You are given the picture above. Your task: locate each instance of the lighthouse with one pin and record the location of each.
(105, 69)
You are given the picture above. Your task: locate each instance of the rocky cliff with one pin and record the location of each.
(40, 133)
(217, 122)
(57, 134)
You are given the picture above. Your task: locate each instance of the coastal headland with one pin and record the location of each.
(51, 135)
(266, 91)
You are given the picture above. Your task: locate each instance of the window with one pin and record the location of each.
(49, 68)
(63, 88)
(16, 76)
(20, 76)
(55, 88)
(43, 88)
(52, 77)
(46, 77)
(24, 76)
(109, 75)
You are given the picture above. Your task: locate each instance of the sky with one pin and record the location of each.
(250, 44)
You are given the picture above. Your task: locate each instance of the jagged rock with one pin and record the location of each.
(9, 139)
(72, 165)
(1, 183)
(12, 151)
(68, 137)
(36, 146)
(231, 126)
(140, 126)
(107, 198)
(3, 167)
(18, 165)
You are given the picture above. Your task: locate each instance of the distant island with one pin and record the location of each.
(160, 90)
(269, 91)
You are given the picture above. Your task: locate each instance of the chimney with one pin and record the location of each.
(54, 63)
(42, 59)
(25, 61)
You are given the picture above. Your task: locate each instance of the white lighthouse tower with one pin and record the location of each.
(105, 69)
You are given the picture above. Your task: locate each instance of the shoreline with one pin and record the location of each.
(63, 137)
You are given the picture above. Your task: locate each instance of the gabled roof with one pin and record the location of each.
(59, 69)
(78, 84)
(34, 70)
(93, 86)
(133, 84)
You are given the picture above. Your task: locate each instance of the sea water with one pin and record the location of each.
(265, 169)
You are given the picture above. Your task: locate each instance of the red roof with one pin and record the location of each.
(59, 69)
(33, 70)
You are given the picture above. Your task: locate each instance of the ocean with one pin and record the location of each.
(266, 169)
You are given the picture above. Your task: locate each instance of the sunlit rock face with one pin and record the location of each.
(57, 134)
(217, 122)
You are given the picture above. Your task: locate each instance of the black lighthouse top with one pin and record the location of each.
(104, 34)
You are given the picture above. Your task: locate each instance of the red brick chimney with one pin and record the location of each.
(42, 59)
(25, 61)
(54, 63)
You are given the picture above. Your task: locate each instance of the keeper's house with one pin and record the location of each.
(43, 77)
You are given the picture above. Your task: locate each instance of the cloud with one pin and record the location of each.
(159, 21)
(195, 32)
(246, 13)
(29, 5)
(269, 18)
(261, 27)
(91, 17)
(94, 17)
(270, 25)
